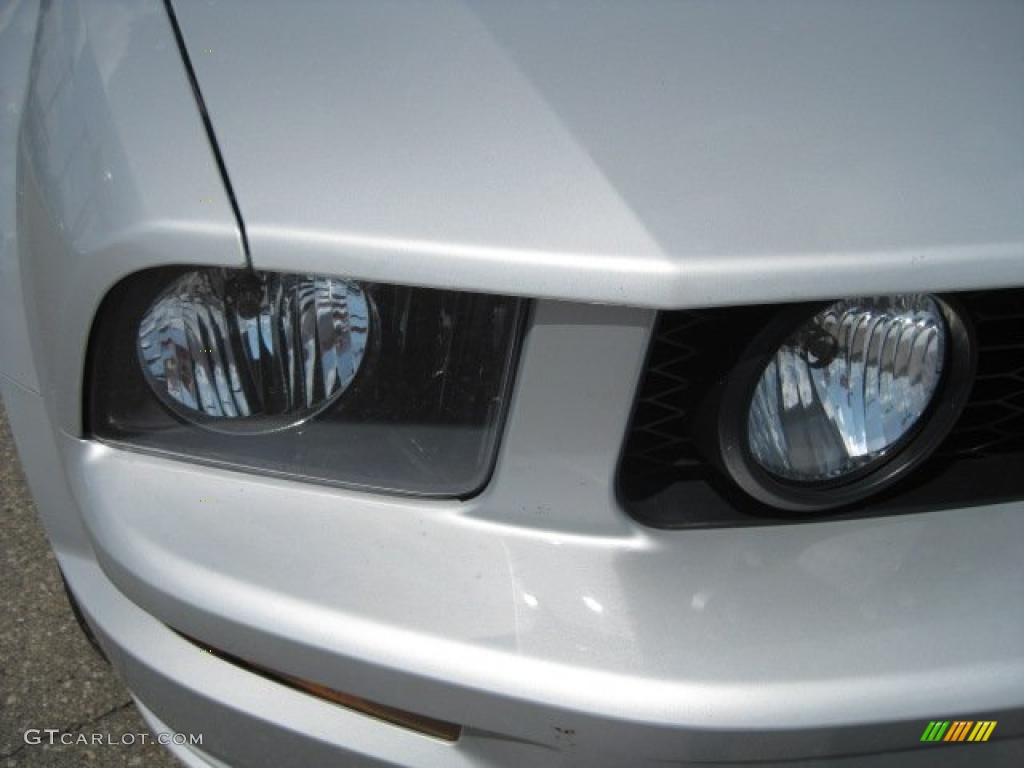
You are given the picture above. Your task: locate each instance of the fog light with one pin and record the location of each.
(823, 411)
(847, 387)
(253, 352)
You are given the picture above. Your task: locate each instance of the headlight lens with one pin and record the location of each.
(847, 387)
(372, 386)
(253, 352)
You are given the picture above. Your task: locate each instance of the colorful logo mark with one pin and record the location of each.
(958, 730)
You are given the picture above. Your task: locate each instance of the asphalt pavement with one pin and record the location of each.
(50, 676)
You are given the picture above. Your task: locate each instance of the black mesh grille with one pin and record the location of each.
(993, 420)
(693, 349)
(661, 432)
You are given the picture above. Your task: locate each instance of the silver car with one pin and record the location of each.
(476, 383)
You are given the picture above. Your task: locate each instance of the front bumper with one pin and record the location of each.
(539, 616)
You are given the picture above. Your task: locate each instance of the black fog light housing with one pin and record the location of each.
(323, 378)
(825, 410)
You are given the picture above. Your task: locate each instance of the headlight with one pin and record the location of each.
(253, 352)
(324, 378)
(843, 403)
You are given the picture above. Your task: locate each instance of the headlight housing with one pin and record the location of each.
(826, 410)
(323, 378)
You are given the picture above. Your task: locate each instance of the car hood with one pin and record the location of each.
(654, 153)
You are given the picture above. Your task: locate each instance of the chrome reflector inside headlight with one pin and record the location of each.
(251, 352)
(847, 387)
(830, 405)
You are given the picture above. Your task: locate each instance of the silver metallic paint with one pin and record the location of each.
(113, 169)
(17, 33)
(652, 153)
(539, 614)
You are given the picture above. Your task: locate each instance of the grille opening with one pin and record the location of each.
(665, 481)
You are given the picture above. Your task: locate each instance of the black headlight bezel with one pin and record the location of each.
(120, 408)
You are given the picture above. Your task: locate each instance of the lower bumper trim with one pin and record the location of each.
(428, 726)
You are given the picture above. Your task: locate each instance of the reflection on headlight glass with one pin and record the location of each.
(251, 352)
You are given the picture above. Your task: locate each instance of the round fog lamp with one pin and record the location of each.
(848, 401)
(253, 352)
(847, 386)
